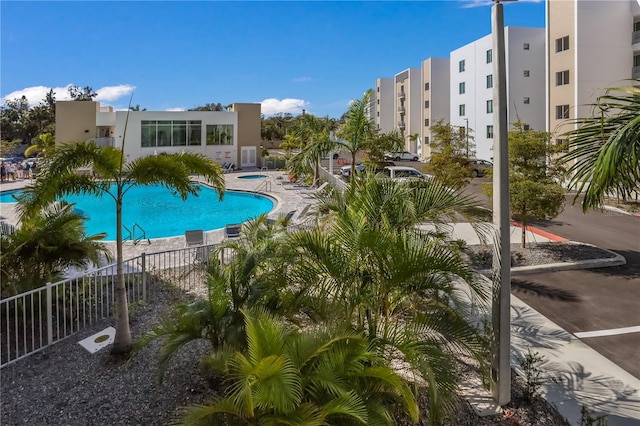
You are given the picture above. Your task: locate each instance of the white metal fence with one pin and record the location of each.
(33, 320)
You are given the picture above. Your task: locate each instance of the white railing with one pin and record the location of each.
(33, 320)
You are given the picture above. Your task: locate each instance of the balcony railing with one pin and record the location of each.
(401, 95)
(635, 37)
(103, 142)
(401, 125)
(401, 110)
(635, 72)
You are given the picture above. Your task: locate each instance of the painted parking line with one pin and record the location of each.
(610, 332)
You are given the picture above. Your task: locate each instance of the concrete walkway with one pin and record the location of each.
(586, 378)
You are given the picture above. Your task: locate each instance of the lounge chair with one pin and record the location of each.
(194, 237)
(286, 218)
(232, 230)
(315, 190)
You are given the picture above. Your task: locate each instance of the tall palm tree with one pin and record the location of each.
(44, 246)
(605, 148)
(58, 178)
(312, 133)
(358, 130)
(306, 378)
(372, 269)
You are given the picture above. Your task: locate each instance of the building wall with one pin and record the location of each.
(435, 100)
(384, 103)
(75, 120)
(409, 82)
(248, 131)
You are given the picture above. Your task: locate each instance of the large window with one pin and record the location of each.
(562, 111)
(562, 44)
(461, 109)
(461, 88)
(490, 106)
(461, 66)
(562, 78)
(489, 132)
(219, 134)
(489, 56)
(489, 81)
(170, 133)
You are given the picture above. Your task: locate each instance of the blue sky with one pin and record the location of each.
(289, 55)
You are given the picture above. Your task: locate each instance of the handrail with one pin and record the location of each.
(142, 237)
(266, 186)
(129, 234)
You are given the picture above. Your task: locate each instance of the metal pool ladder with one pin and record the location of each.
(131, 234)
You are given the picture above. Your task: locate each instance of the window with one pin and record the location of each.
(378, 88)
(426, 104)
(562, 145)
(170, 133)
(489, 81)
(489, 56)
(426, 86)
(461, 110)
(378, 101)
(461, 88)
(219, 134)
(426, 122)
(525, 127)
(636, 60)
(526, 46)
(526, 73)
(562, 78)
(490, 106)
(562, 44)
(526, 101)
(636, 26)
(562, 111)
(489, 132)
(461, 66)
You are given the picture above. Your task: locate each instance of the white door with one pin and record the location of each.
(248, 156)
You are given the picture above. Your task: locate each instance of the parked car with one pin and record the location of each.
(404, 155)
(346, 170)
(479, 167)
(361, 167)
(404, 173)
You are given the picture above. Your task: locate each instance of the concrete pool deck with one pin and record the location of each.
(286, 199)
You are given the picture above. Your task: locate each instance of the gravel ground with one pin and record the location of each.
(65, 385)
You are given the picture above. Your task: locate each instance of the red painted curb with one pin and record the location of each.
(542, 233)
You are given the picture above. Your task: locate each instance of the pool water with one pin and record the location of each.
(253, 177)
(162, 213)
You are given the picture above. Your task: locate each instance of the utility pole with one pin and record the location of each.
(501, 294)
(466, 133)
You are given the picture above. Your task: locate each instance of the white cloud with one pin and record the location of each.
(177, 109)
(273, 106)
(36, 94)
(301, 79)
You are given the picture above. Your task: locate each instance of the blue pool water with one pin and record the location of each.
(252, 177)
(163, 214)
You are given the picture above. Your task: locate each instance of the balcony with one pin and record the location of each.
(635, 72)
(635, 37)
(401, 96)
(401, 125)
(401, 110)
(103, 142)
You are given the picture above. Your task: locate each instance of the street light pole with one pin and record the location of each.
(466, 133)
(501, 294)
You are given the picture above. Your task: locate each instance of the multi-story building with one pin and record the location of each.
(408, 106)
(383, 112)
(591, 45)
(225, 136)
(472, 80)
(435, 99)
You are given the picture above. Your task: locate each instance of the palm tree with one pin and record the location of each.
(358, 129)
(43, 247)
(605, 148)
(42, 145)
(299, 378)
(372, 269)
(58, 178)
(312, 133)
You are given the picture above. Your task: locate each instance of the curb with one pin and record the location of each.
(606, 262)
(541, 233)
(621, 211)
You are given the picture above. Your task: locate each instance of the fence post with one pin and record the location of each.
(144, 277)
(49, 315)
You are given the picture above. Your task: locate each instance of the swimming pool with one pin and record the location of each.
(253, 177)
(162, 213)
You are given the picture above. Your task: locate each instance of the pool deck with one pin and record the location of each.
(287, 198)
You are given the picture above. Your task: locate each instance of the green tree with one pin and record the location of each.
(57, 177)
(300, 378)
(52, 240)
(534, 191)
(43, 145)
(14, 120)
(81, 94)
(449, 155)
(382, 143)
(209, 107)
(312, 135)
(605, 148)
(370, 268)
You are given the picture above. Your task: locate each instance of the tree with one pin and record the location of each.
(358, 131)
(136, 108)
(533, 188)
(38, 252)
(605, 148)
(370, 268)
(286, 376)
(382, 143)
(449, 155)
(42, 145)
(81, 94)
(208, 107)
(14, 120)
(312, 136)
(58, 177)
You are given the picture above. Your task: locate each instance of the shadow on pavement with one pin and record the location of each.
(541, 290)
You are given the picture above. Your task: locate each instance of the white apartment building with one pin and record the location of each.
(224, 136)
(591, 45)
(408, 106)
(435, 99)
(472, 80)
(384, 101)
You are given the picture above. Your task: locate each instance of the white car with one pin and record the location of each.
(404, 173)
(346, 170)
(404, 155)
